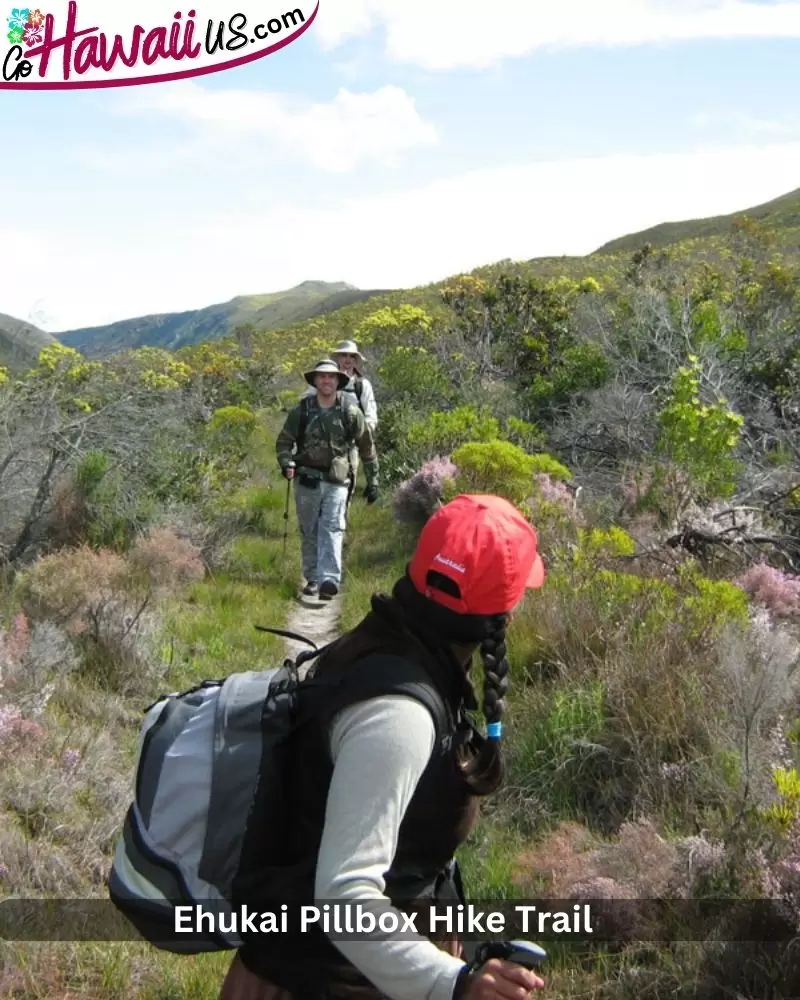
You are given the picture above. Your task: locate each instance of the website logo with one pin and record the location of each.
(62, 47)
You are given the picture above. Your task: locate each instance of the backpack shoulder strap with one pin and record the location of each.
(359, 390)
(305, 406)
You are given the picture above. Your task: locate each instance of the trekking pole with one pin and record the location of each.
(524, 953)
(286, 519)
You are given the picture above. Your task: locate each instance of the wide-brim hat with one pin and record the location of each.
(326, 367)
(348, 347)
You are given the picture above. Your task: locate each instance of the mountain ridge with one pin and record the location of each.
(783, 211)
(20, 342)
(309, 299)
(265, 311)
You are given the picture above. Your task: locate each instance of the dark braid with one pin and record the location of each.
(495, 670)
(486, 771)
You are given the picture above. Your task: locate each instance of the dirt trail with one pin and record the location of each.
(316, 619)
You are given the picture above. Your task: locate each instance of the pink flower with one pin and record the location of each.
(778, 592)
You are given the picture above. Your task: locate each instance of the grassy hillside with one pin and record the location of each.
(20, 342)
(780, 214)
(175, 330)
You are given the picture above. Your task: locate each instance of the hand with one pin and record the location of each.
(371, 493)
(500, 980)
(288, 472)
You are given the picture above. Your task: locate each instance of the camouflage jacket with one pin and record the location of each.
(331, 437)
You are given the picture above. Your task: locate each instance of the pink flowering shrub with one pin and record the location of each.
(17, 731)
(420, 495)
(167, 562)
(775, 590)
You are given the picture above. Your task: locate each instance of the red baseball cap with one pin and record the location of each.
(486, 547)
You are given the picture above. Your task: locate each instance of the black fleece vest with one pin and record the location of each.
(440, 816)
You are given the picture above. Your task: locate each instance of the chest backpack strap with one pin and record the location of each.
(305, 405)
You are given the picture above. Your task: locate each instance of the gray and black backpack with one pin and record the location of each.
(204, 754)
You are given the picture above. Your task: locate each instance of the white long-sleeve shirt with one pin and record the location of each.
(380, 749)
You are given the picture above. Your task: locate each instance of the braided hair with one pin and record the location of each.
(482, 765)
(485, 771)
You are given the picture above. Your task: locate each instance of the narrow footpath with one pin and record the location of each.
(316, 619)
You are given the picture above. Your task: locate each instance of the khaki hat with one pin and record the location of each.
(348, 347)
(326, 367)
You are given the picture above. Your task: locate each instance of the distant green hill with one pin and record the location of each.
(20, 342)
(175, 330)
(779, 214)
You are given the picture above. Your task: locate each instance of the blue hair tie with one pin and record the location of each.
(494, 730)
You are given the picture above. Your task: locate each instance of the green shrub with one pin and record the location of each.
(442, 432)
(497, 467)
(700, 438)
(547, 465)
(413, 372)
(523, 434)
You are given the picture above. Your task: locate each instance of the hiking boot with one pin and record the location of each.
(328, 590)
(310, 588)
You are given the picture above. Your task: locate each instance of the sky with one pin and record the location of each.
(394, 143)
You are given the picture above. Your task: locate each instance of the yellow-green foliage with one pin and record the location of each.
(701, 606)
(230, 432)
(289, 398)
(543, 463)
(406, 325)
(785, 812)
(231, 425)
(711, 603)
(523, 433)
(441, 431)
(412, 371)
(597, 544)
(494, 467)
(698, 437)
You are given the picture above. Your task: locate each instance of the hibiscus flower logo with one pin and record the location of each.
(25, 25)
(19, 19)
(32, 34)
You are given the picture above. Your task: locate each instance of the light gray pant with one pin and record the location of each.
(322, 515)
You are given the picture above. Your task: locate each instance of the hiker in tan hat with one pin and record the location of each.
(320, 437)
(348, 357)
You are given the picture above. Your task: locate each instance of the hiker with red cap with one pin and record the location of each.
(385, 787)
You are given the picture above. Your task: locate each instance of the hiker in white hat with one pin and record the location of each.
(348, 357)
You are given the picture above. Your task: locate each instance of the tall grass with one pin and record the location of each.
(66, 758)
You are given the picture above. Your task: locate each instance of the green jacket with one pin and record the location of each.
(331, 436)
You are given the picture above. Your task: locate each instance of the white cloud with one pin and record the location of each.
(396, 239)
(740, 123)
(449, 34)
(338, 136)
